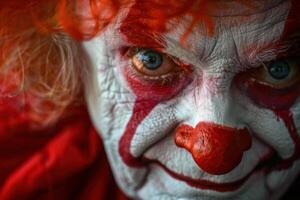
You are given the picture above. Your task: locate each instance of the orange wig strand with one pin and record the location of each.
(39, 51)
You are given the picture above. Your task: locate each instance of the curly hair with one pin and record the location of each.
(39, 44)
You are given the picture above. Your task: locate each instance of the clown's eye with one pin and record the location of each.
(274, 85)
(279, 74)
(152, 63)
(279, 70)
(148, 59)
(152, 75)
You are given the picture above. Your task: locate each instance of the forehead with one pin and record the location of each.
(235, 37)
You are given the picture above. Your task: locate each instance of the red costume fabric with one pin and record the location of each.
(63, 162)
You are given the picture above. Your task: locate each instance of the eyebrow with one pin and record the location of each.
(140, 37)
(290, 38)
(288, 45)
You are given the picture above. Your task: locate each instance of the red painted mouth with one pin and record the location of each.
(265, 164)
(205, 184)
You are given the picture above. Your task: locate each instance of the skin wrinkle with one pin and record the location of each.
(263, 54)
(238, 58)
(168, 122)
(197, 102)
(251, 14)
(263, 126)
(235, 47)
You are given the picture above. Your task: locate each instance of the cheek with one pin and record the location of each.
(282, 104)
(290, 122)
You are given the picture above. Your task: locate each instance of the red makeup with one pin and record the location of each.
(215, 148)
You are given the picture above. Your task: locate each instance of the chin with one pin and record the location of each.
(158, 182)
(161, 185)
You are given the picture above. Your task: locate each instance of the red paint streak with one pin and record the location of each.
(265, 163)
(205, 184)
(209, 185)
(140, 111)
(288, 120)
(157, 90)
(147, 19)
(267, 96)
(148, 96)
(143, 108)
(291, 27)
(280, 102)
(215, 148)
(148, 93)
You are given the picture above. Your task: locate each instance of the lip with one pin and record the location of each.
(205, 184)
(265, 164)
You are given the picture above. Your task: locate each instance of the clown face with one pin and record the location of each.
(214, 118)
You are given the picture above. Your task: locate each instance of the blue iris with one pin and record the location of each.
(152, 60)
(279, 69)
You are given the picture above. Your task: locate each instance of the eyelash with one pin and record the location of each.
(166, 78)
(157, 88)
(162, 80)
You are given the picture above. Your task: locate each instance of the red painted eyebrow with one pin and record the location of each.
(143, 39)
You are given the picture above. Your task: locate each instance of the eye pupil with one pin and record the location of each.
(152, 60)
(279, 69)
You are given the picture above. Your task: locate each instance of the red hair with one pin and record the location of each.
(39, 49)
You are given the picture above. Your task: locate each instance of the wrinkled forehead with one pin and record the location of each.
(239, 7)
(240, 30)
(236, 38)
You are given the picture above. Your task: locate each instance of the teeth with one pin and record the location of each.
(276, 179)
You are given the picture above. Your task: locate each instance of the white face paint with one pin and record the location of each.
(139, 137)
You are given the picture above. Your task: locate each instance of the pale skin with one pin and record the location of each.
(210, 94)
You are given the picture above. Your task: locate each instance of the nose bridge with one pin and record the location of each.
(213, 100)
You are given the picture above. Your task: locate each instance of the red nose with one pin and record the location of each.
(215, 148)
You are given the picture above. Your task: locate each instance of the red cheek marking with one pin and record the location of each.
(140, 111)
(149, 94)
(216, 149)
(291, 26)
(287, 117)
(280, 102)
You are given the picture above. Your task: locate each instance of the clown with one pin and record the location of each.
(192, 99)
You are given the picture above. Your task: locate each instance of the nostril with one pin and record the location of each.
(215, 148)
